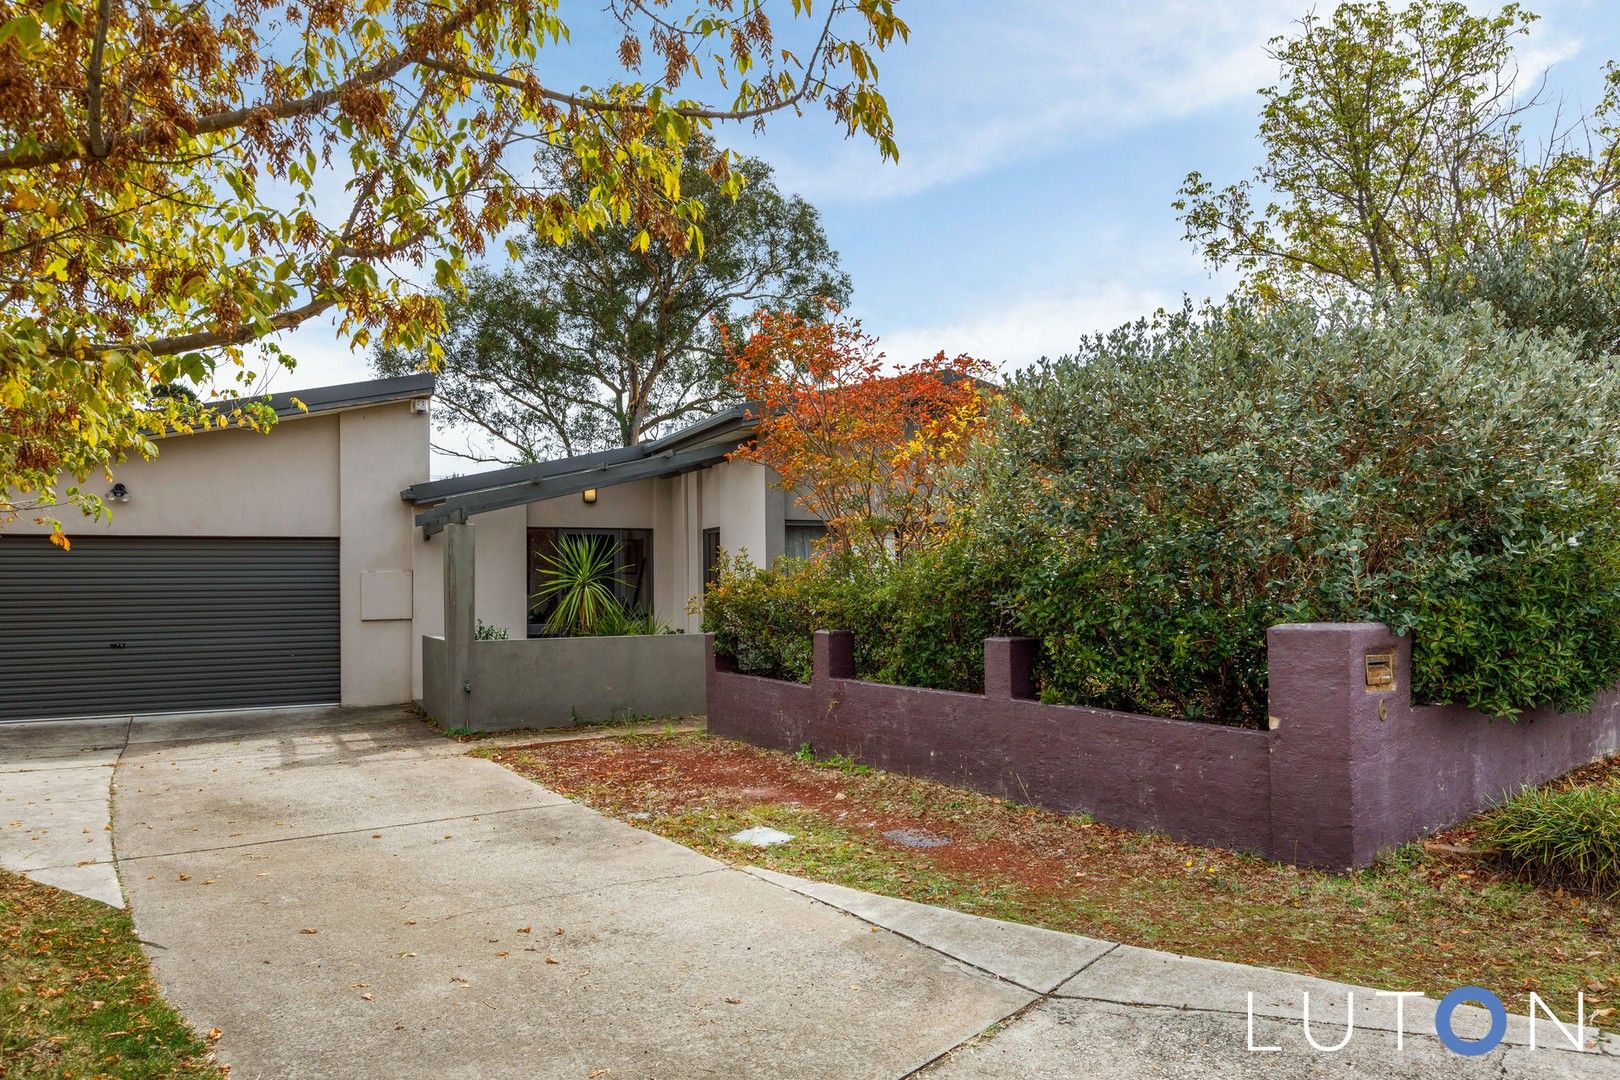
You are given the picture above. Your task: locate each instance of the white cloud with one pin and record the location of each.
(975, 94)
(1012, 335)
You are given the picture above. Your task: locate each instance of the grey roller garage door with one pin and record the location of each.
(159, 624)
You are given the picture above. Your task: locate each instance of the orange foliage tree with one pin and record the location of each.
(864, 444)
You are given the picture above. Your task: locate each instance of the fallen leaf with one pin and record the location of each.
(733, 1001)
(410, 922)
(525, 929)
(185, 877)
(309, 930)
(365, 997)
(598, 1072)
(214, 1034)
(551, 960)
(503, 954)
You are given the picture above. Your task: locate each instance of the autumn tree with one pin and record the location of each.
(600, 341)
(183, 181)
(1395, 152)
(864, 444)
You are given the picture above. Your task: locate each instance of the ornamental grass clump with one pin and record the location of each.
(1568, 838)
(1183, 483)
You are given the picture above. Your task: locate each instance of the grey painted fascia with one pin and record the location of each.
(435, 491)
(669, 463)
(737, 421)
(322, 399)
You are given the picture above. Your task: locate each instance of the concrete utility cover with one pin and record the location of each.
(916, 838)
(762, 836)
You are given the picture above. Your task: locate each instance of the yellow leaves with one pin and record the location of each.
(60, 540)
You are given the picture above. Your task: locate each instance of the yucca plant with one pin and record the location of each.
(581, 577)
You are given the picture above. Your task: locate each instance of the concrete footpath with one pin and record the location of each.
(344, 893)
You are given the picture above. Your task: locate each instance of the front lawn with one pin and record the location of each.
(1429, 917)
(76, 995)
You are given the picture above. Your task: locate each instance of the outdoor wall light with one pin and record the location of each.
(119, 493)
(590, 495)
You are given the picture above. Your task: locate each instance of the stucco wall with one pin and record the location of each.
(380, 451)
(224, 483)
(332, 474)
(555, 682)
(623, 506)
(736, 495)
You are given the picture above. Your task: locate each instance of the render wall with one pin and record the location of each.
(556, 682)
(1196, 782)
(336, 474)
(1349, 767)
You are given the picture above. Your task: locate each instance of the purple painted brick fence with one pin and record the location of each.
(1345, 772)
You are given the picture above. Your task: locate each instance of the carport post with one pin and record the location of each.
(459, 624)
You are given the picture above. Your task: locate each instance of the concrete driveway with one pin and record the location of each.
(345, 894)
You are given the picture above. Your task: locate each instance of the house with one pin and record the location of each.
(304, 566)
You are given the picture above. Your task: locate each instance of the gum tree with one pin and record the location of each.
(596, 343)
(183, 181)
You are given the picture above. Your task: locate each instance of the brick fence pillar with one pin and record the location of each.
(1009, 667)
(1333, 688)
(833, 656)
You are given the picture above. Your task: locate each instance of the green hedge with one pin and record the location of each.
(1149, 506)
(921, 621)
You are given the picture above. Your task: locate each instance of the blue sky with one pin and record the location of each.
(1041, 146)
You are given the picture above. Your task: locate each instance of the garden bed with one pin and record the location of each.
(1424, 918)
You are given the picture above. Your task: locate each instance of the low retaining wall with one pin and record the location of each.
(1349, 767)
(555, 682)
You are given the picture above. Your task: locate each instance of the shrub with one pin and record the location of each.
(764, 619)
(939, 602)
(620, 621)
(1569, 287)
(1183, 483)
(1568, 838)
(580, 578)
(919, 620)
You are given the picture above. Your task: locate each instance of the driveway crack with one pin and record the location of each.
(346, 832)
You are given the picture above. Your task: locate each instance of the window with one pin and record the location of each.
(633, 568)
(711, 556)
(802, 538)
